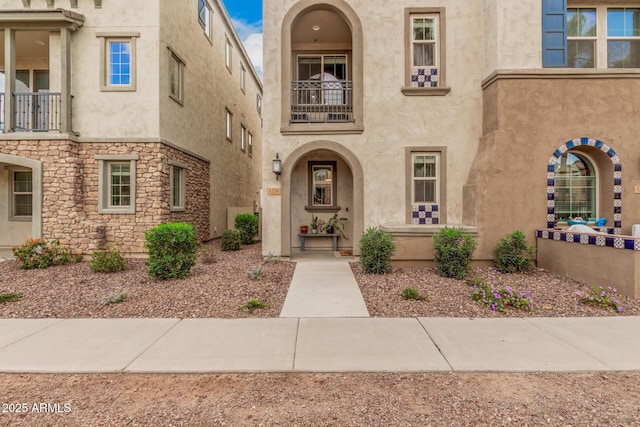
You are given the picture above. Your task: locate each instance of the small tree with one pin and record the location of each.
(173, 249)
(376, 249)
(452, 251)
(513, 254)
(247, 224)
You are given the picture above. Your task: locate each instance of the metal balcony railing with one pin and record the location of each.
(315, 101)
(37, 112)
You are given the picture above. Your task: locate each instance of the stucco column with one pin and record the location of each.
(9, 78)
(65, 80)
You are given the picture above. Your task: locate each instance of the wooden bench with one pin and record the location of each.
(304, 236)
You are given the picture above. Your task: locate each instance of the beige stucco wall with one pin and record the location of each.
(593, 265)
(391, 120)
(513, 35)
(210, 88)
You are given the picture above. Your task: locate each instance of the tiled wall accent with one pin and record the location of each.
(628, 243)
(425, 215)
(424, 77)
(617, 179)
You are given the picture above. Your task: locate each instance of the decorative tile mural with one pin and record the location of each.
(617, 179)
(425, 215)
(611, 240)
(424, 77)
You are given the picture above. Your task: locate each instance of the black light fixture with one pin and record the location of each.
(276, 166)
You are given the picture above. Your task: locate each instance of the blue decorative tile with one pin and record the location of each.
(569, 144)
(585, 141)
(611, 153)
(629, 244)
(599, 144)
(617, 167)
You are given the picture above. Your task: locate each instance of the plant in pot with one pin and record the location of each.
(304, 229)
(336, 224)
(315, 222)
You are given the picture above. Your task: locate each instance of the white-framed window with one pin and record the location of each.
(576, 187)
(177, 177)
(229, 124)
(116, 184)
(228, 54)
(322, 184)
(250, 144)
(243, 138)
(603, 37)
(424, 50)
(243, 78)
(204, 17)
(21, 197)
(425, 187)
(118, 68)
(176, 77)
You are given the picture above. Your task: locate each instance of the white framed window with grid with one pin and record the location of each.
(204, 17)
(177, 178)
(116, 184)
(21, 197)
(425, 178)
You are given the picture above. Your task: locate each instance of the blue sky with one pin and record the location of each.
(247, 18)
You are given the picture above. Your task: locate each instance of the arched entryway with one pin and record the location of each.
(345, 196)
(596, 168)
(20, 200)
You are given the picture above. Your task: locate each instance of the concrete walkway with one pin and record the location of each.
(324, 288)
(320, 345)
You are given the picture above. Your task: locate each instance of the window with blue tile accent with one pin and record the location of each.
(120, 63)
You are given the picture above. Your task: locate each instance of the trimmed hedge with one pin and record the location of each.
(173, 249)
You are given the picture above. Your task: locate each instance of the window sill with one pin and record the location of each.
(423, 230)
(177, 209)
(321, 129)
(329, 209)
(118, 89)
(112, 211)
(20, 219)
(425, 91)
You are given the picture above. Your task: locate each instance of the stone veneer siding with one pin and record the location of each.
(70, 192)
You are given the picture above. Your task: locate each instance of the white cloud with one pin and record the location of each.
(251, 36)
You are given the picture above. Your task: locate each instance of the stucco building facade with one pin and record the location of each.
(120, 115)
(491, 115)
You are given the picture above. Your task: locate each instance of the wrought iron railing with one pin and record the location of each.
(314, 101)
(37, 111)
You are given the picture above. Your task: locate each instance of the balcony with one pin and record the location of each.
(34, 112)
(315, 101)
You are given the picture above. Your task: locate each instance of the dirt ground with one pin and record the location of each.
(299, 399)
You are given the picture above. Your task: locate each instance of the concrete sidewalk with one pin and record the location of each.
(325, 288)
(320, 345)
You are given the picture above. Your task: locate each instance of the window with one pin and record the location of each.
(228, 51)
(21, 195)
(590, 37)
(116, 183)
(204, 17)
(178, 193)
(118, 71)
(243, 138)
(243, 78)
(176, 84)
(250, 145)
(322, 186)
(425, 185)
(259, 104)
(425, 178)
(575, 187)
(229, 124)
(424, 52)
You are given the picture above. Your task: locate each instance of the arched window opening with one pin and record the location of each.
(576, 190)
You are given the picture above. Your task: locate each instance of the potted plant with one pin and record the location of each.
(304, 229)
(314, 224)
(336, 224)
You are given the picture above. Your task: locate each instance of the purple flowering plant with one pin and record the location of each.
(119, 294)
(601, 297)
(493, 292)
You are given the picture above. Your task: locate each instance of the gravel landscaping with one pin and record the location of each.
(219, 285)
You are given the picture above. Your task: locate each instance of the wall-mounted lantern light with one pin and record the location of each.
(276, 166)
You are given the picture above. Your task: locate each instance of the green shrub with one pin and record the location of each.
(109, 260)
(173, 249)
(253, 304)
(513, 255)
(38, 253)
(231, 240)
(376, 248)
(247, 224)
(413, 293)
(12, 297)
(452, 250)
